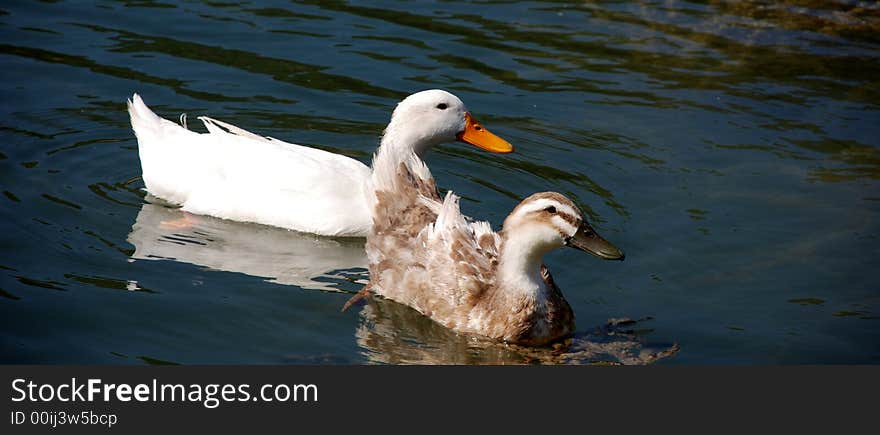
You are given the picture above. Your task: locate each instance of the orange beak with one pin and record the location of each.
(475, 134)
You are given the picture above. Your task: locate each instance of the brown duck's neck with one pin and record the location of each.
(519, 267)
(542, 312)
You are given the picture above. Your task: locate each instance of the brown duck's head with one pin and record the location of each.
(549, 220)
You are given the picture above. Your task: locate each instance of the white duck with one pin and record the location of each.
(424, 253)
(234, 174)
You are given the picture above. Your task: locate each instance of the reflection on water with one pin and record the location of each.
(855, 20)
(393, 333)
(281, 256)
(388, 332)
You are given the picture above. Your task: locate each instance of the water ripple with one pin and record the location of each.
(731, 148)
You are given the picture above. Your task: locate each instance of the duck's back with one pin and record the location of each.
(425, 254)
(234, 174)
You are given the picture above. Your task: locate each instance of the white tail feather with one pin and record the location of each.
(142, 118)
(219, 127)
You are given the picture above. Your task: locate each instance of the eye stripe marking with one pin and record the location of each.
(564, 227)
(542, 203)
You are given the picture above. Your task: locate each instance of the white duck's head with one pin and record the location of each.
(432, 117)
(546, 221)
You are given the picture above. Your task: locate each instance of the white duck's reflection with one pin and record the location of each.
(281, 256)
(393, 333)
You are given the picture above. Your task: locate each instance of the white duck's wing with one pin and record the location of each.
(280, 184)
(234, 174)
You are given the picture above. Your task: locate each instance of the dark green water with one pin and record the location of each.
(732, 149)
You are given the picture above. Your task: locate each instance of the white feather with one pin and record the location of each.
(234, 174)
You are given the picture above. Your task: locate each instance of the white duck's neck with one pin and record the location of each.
(399, 145)
(402, 140)
(393, 150)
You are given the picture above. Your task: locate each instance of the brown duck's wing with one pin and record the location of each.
(463, 255)
(405, 206)
(558, 310)
(425, 253)
(548, 279)
(402, 210)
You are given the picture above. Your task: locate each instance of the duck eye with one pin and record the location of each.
(550, 209)
(442, 106)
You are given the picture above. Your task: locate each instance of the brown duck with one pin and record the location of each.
(424, 253)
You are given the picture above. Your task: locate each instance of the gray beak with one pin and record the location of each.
(588, 240)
